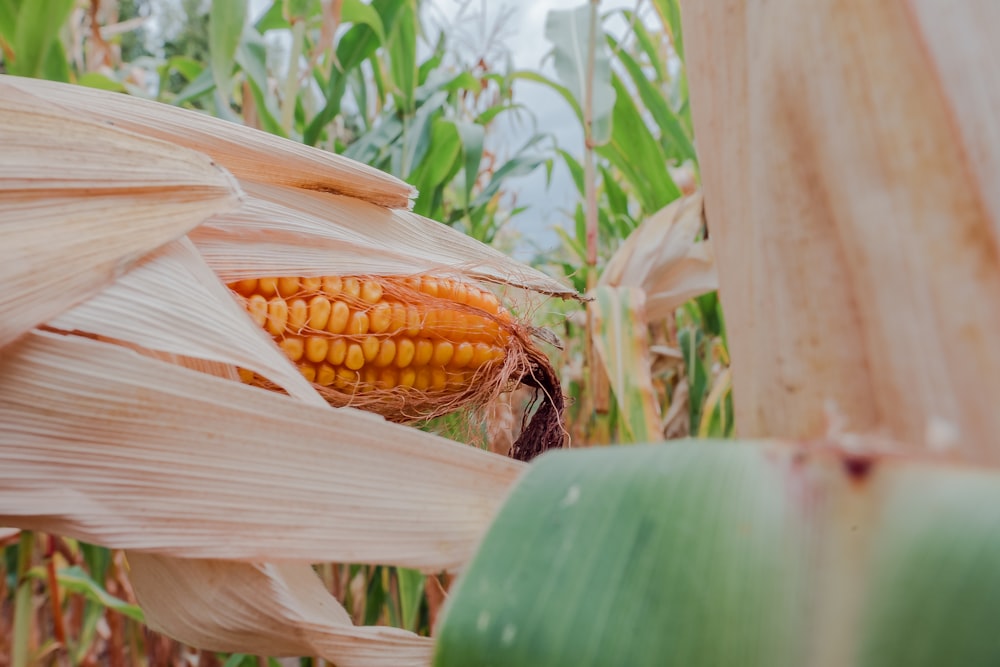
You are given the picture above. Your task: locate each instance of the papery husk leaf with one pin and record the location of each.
(287, 231)
(250, 154)
(856, 218)
(100, 443)
(759, 554)
(265, 609)
(621, 341)
(81, 201)
(664, 258)
(172, 302)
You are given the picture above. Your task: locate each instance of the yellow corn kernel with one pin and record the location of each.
(405, 349)
(414, 322)
(424, 352)
(319, 312)
(464, 352)
(369, 378)
(371, 291)
(288, 286)
(380, 317)
(257, 308)
(245, 287)
(386, 353)
(439, 379)
(429, 286)
(388, 378)
(277, 316)
(308, 372)
(398, 321)
(357, 324)
(352, 288)
(443, 352)
(333, 286)
(407, 377)
(489, 302)
(293, 347)
(325, 375)
(339, 316)
(267, 286)
(346, 380)
(370, 347)
(355, 358)
(317, 348)
(430, 321)
(314, 284)
(338, 351)
(246, 376)
(423, 380)
(298, 314)
(482, 353)
(459, 293)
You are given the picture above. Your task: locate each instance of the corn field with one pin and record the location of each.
(274, 390)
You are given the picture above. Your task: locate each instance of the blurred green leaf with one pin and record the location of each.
(8, 20)
(100, 81)
(75, 579)
(472, 136)
(360, 13)
(402, 47)
(622, 342)
(654, 56)
(670, 15)
(35, 35)
(637, 154)
(411, 591)
(655, 102)
(575, 169)
(569, 31)
(758, 554)
(189, 68)
(225, 28)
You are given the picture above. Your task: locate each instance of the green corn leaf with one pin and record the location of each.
(472, 154)
(402, 47)
(670, 15)
(358, 44)
(8, 20)
(758, 554)
(575, 169)
(617, 199)
(417, 134)
(656, 103)
(638, 155)
(411, 591)
(648, 45)
(569, 32)
(225, 27)
(360, 13)
(621, 340)
(37, 31)
(101, 82)
(75, 579)
(189, 68)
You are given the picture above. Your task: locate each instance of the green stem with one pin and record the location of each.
(22, 601)
(291, 89)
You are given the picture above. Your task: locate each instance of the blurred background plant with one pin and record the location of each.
(429, 94)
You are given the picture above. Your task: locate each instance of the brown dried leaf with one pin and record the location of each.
(81, 201)
(249, 154)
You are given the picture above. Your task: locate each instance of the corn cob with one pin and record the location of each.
(405, 347)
